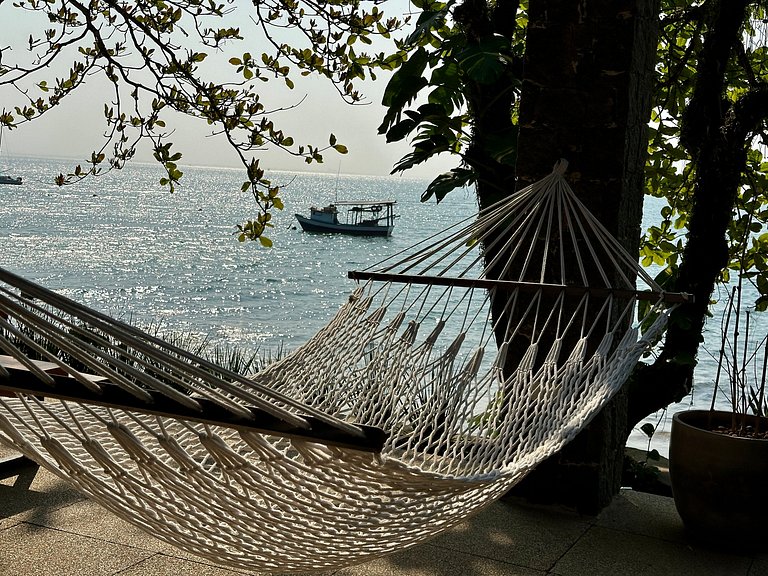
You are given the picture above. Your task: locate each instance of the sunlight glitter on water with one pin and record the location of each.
(125, 245)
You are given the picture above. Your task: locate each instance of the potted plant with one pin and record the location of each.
(719, 458)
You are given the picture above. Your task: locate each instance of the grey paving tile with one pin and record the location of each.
(6, 452)
(86, 518)
(645, 514)
(517, 534)
(162, 565)
(50, 502)
(27, 550)
(605, 552)
(428, 560)
(47, 529)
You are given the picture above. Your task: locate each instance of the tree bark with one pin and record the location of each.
(586, 98)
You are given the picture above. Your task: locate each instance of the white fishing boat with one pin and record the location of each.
(360, 218)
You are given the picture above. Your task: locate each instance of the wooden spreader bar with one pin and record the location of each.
(65, 387)
(668, 297)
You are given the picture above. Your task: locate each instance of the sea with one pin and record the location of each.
(123, 244)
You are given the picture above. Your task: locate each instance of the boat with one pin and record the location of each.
(360, 218)
(5, 178)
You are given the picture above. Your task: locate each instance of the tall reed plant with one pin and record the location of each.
(742, 366)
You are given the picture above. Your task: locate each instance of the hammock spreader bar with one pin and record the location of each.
(568, 290)
(20, 379)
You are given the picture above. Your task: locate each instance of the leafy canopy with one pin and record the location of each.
(157, 56)
(430, 101)
(453, 49)
(670, 172)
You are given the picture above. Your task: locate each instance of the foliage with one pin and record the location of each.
(454, 49)
(670, 171)
(445, 60)
(161, 57)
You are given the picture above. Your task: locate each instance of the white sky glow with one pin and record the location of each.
(74, 129)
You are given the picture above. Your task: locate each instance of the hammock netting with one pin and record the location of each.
(454, 368)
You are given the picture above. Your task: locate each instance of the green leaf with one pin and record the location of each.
(407, 81)
(428, 20)
(648, 429)
(447, 182)
(484, 63)
(401, 130)
(503, 147)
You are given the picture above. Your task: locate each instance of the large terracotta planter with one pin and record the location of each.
(719, 482)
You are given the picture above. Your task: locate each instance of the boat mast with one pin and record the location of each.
(336, 191)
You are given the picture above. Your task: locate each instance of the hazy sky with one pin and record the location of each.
(73, 130)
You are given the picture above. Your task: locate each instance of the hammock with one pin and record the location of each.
(454, 368)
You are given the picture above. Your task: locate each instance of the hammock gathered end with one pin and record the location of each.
(454, 368)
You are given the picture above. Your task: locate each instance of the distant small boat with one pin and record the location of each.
(364, 218)
(4, 178)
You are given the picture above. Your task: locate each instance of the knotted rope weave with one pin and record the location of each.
(457, 366)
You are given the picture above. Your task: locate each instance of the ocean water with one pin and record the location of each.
(124, 245)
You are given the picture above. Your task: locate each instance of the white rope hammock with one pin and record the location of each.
(391, 424)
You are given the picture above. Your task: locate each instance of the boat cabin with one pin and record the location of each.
(362, 218)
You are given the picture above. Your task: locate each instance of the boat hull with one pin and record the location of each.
(309, 225)
(10, 180)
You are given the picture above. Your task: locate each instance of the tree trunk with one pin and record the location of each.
(586, 98)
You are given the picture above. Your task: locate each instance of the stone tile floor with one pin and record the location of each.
(47, 529)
